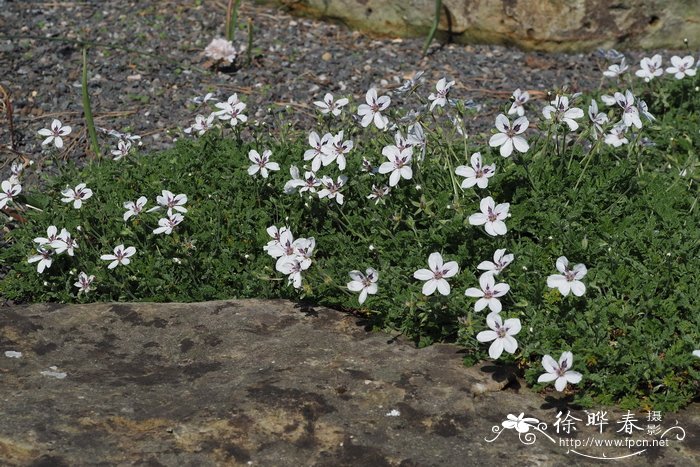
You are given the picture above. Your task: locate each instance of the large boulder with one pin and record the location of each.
(549, 25)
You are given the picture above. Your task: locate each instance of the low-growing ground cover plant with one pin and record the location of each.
(572, 230)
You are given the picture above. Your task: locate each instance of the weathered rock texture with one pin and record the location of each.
(261, 383)
(549, 25)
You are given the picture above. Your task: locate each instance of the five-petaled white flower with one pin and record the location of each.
(378, 193)
(440, 98)
(630, 115)
(650, 68)
(51, 235)
(501, 334)
(64, 243)
(489, 293)
(436, 276)
(76, 195)
(134, 208)
(399, 164)
(274, 244)
(499, 263)
(364, 283)
(167, 224)
(335, 150)
(261, 163)
(616, 70)
(231, 110)
(508, 136)
(44, 257)
(9, 191)
(170, 201)
(292, 268)
(201, 124)
(569, 280)
(681, 66)
(329, 105)
(372, 110)
(318, 144)
(84, 283)
(560, 372)
(55, 134)
(332, 189)
(560, 111)
(121, 256)
(123, 148)
(492, 216)
(478, 174)
(519, 100)
(521, 423)
(598, 119)
(617, 137)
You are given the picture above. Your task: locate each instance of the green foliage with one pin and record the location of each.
(629, 214)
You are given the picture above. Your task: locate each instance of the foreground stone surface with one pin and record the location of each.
(548, 25)
(265, 383)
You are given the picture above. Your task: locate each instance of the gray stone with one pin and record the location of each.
(265, 383)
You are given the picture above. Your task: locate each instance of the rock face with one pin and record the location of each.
(259, 383)
(548, 25)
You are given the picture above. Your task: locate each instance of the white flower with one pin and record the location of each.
(44, 257)
(372, 110)
(399, 164)
(436, 275)
(9, 191)
(335, 150)
(293, 268)
(273, 247)
(501, 334)
(84, 283)
(231, 110)
(16, 170)
(616, 70)
(499, 263)
(559, 372)
(492, 216)
(616, 137)
(364, 283)
(64, 242)
(489, 294)
(650, 68)
(134, 208)
(630, 114)
(696, 353)
(442, 87)
(681, 66)
(204, 99)
(519, 100)
(328, 105)
(121, 256)
(318, 145)
(332, 189)
(167, 224)
(569, 280)
(283, 244)
(261, 163)
(508, 136)
(560, 111)
(416, 138)
(76, 195)
(378, 193)
(477, 174)
(123, 148)
(598, 119)
(303, 250)
(51, 235)
(644, 110)
(170, 201)
(55, 134)
(201, 124)
(220, 49)
(608, 99)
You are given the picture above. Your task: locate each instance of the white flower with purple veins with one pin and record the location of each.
(55, 134)
(170, 201)
(680, 67)
(318, 145)
(201, 124)
(51, 235)
(335, 150)
(440, 98)
(204, 99)
(560, 111)
(478, 174)
(84, 283)
(167, 224)
(16, 170)
(123, 148)
(273, 246)
(436, 276)
(9, 191)
(332, 189)
(121, 256)
(231, 110)
(303, 250)
(364, 283)
(292, 268)
(519, 100)
(499, 263)
(616, 70)
(509, 136)
(64, 243)
(76, 195)
(501, 334)
(283, 247)
(399, 164)
(630, 115)
(296, 181)
(644, 110)
(492, 216)
(330, 106)
(378, 193)
(598, 119)
(401, 142)
(134, 208)
(43, 257)
(261, 164)
(372, 110)
(489, 293)
(617, 137)
(416, 138)
(650, 68)
(559, 372)
(220, 49)
(569, 280)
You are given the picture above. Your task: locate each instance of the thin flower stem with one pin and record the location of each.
(87, 109)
